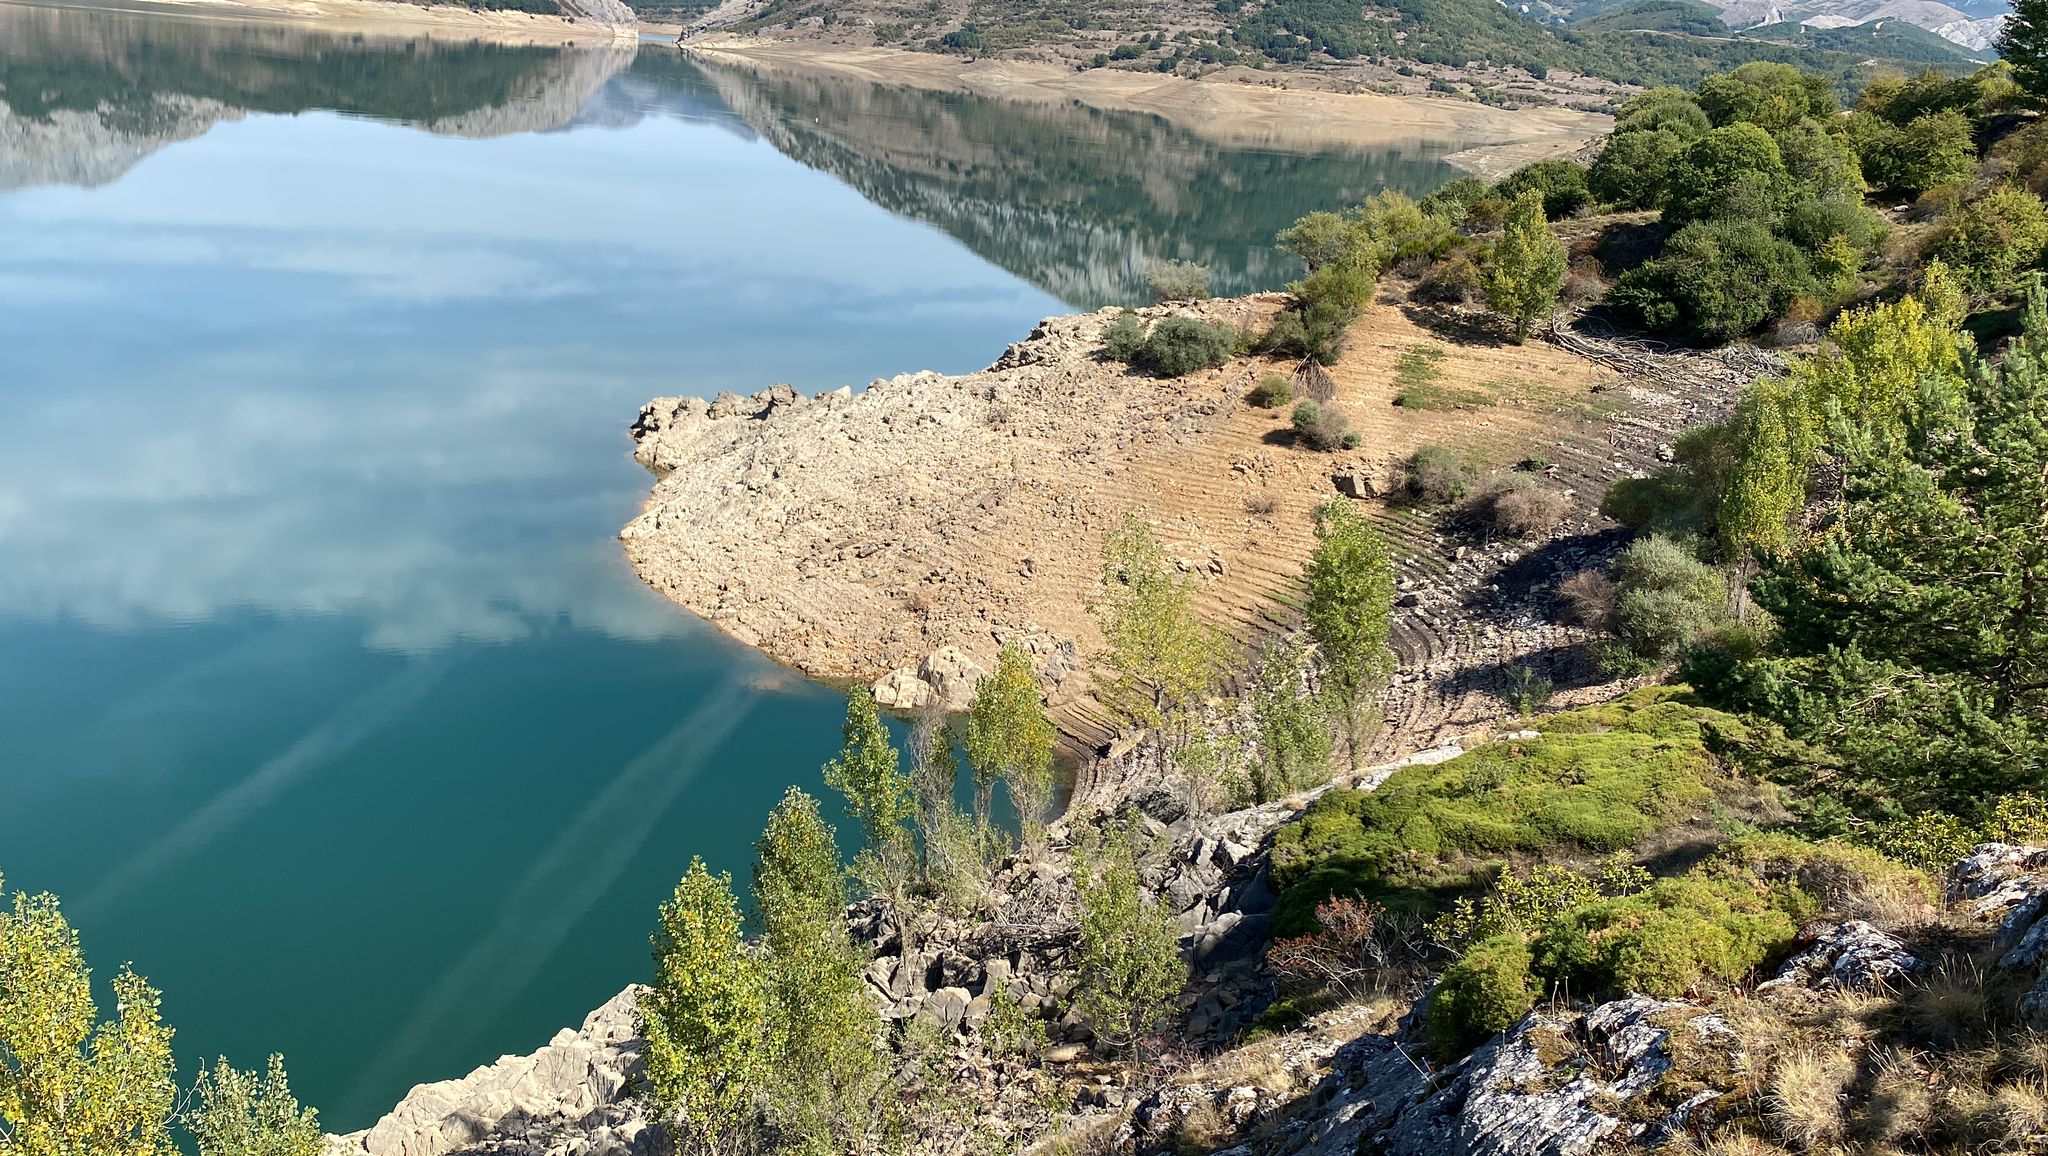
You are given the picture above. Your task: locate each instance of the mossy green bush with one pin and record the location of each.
(1124, 337)
(1669, 940)
(1486, 991)
(1597, 780)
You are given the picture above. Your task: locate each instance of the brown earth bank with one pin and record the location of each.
(1237, 106)
(904, 533)
(600, 20)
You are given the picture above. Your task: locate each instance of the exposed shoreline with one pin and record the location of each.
(388, 17)
(1491, 141)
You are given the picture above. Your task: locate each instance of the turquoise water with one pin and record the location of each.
(325, 695)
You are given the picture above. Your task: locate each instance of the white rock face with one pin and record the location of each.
(570, 1098)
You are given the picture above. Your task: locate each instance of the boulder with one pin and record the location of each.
(1851, 956)
(902, 690)
(952, 677)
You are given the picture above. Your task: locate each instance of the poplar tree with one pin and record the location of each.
(823, 1031)
(239, 1113)
(1163, 655)
(706, 1017)
(70, 1084)
(868, 771)
(1128, 970)
(1009, 738)
(1527, 269)
(1350, 582)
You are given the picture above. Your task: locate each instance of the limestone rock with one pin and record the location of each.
(902, 690)
(571, 1095)
(1851, 956)
(952, 677)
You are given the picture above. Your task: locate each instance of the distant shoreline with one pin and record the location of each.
(450, 21)
(1229, 109)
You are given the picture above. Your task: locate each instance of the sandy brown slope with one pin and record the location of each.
(850, 535)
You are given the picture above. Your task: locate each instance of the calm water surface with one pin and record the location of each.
(325, 695)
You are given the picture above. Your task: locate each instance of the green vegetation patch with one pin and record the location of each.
(1597, 780)
(1418, 378)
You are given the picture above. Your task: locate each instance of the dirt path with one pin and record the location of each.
(851, 536)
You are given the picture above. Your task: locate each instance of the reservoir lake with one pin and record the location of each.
(326, 696)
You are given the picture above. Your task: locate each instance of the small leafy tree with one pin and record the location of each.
(869, 772)
(69, 1084)
(1527, 269)
(706, 1015)
(240, 1113)
(1009, 738)
(1178, 281)
(2024, 45)
(1350, 582)
(1163, 655)
(823, 1031)
(1293, 727)
(1129, 970)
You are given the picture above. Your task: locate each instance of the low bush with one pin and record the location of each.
(1667, 941)
(1666, 597)
(1587, 599)
(1522, 507)
(1178, 281)
(1451, 281)
(1313, 329)
(1599, 780)
(1124, 337)
(1323, 427)
(1562, 184)
(1179, 346)
(1439, 474)
(1486, 991)
(1272, 392)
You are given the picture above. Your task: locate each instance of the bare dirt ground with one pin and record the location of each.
(1238, 106)
(453, 21)
(851, 536)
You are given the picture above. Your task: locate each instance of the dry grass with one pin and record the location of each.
(1806, 1100)
(1950, 1006)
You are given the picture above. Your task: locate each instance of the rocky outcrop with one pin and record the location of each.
(859, 537)
(2009, 884)
(1850, 956)
(570, 1098)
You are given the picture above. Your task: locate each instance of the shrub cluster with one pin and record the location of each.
(1175, 347)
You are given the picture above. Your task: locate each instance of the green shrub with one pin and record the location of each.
(1272, 392)
(1714, 281)
(1829, 877)
(1561, 183)
(1124, 337)
(1714, 173)
(1179, 346)
(1632, 170)
(1486, 991)
(1599, 779)
(1453, 200)
(1932, 841)
(1667, 941)
(1178, 281)
(1322, 427)
(1666, 598)
(1439, 474)
(1993, 238)
(1451, 281)
(1311, 329)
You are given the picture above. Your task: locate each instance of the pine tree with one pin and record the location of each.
(2024, 45)
(1350, 607)
(1913, 631)
(69, 1084)
(1527, 269)
(239, 1113)
(706, 1016)
(1009, 738)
